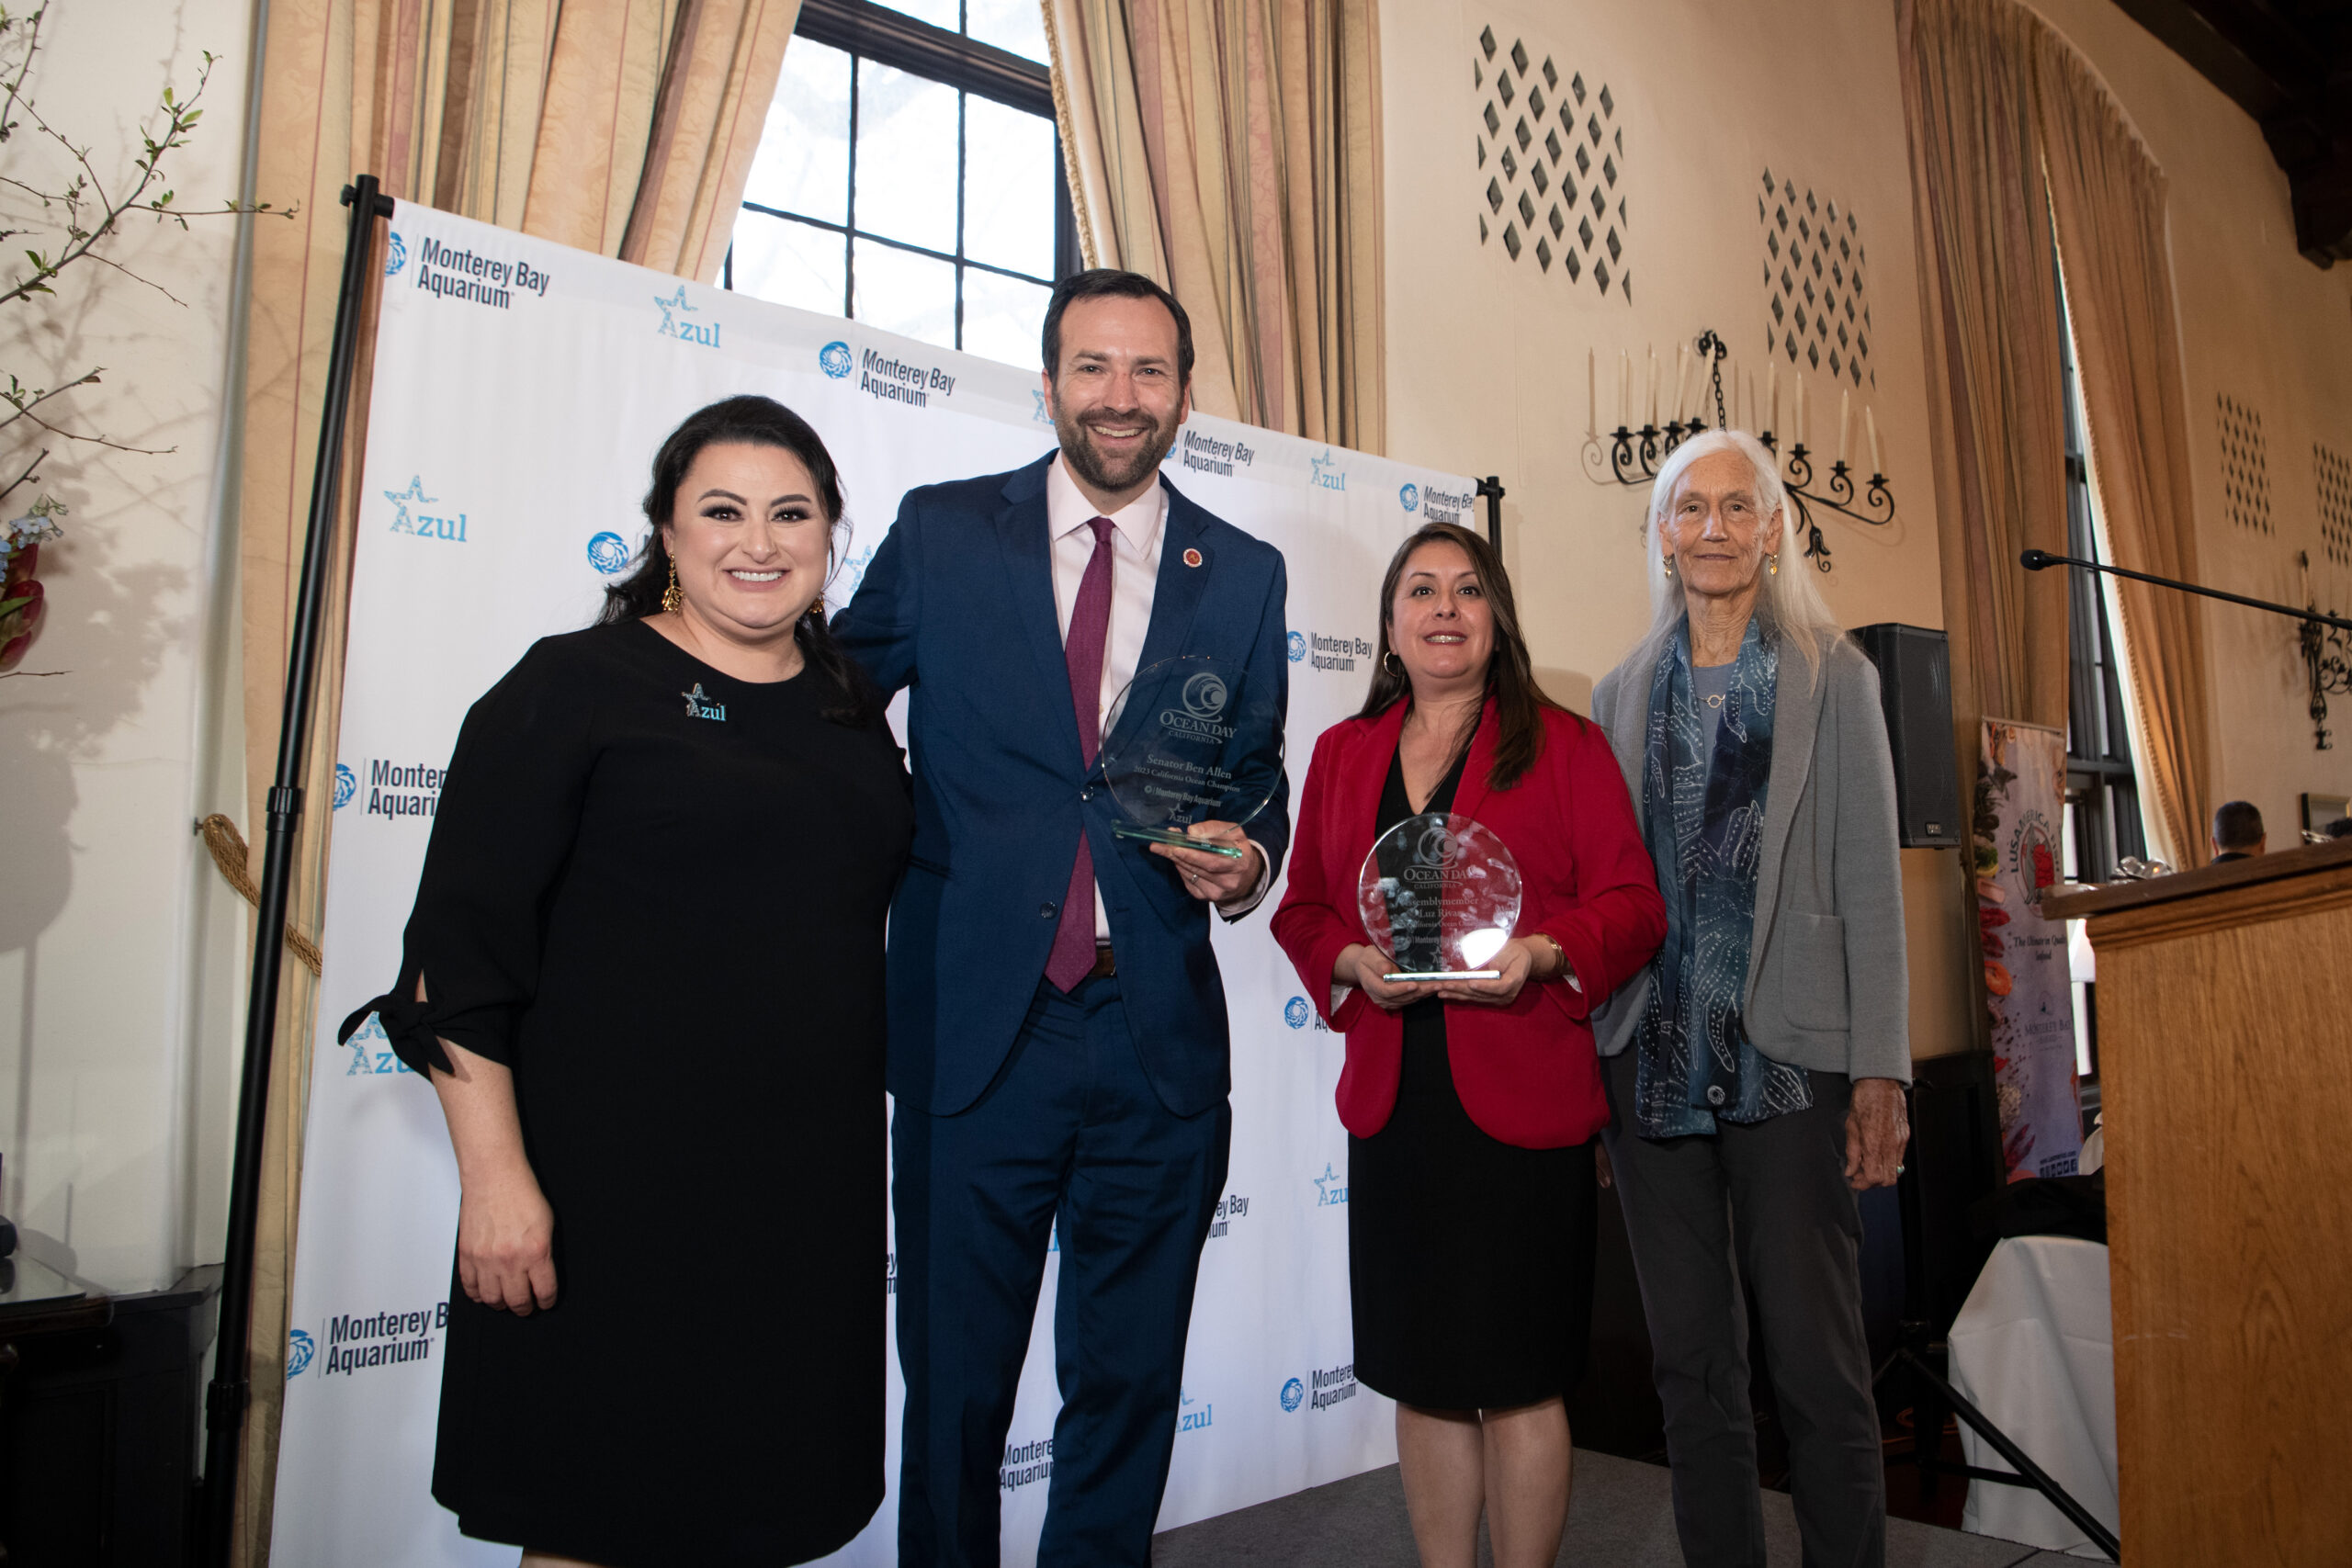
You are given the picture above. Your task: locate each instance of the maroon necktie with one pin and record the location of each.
(1090, 622)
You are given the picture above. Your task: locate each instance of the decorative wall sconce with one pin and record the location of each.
(2326, 647)
(1629, 456)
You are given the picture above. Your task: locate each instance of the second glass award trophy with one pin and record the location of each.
(1440, 896)
(1192, 740)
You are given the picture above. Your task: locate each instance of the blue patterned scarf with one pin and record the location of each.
(1704, 821)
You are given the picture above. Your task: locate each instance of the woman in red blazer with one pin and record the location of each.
(1471, 1105)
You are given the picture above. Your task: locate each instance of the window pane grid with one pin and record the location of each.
(896, 122)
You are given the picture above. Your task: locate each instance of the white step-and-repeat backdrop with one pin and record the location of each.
(520, 390)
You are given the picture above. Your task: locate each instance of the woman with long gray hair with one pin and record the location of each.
(1756, 1067)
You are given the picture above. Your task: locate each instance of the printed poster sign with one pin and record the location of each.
(520, 390)
(2020, 792)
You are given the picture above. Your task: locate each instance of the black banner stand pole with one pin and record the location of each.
(1492, 486)
(226, 1398)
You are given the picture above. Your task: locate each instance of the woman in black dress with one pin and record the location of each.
(1471, 1104)
(644, 972)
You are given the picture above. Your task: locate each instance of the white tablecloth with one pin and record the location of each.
(2033, 1348)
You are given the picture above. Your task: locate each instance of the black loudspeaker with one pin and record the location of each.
(1915, 687)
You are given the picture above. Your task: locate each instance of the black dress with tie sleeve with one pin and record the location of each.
(658, 894)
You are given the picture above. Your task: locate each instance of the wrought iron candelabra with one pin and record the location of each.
(1629, 456)
(2327, 653)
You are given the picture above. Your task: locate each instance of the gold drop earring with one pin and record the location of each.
(672, 598)
(1772, 565)
(1670, 569)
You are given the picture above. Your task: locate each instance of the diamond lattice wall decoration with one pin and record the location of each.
(2335, 503)
(2245, 464)
(1818, 309)
(1560, 149)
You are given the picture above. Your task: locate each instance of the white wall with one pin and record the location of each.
(1487, 356)
(121, 953)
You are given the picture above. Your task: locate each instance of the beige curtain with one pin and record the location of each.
(624, 127)
(1231, 150)
(1989, 299)
(2109, 198)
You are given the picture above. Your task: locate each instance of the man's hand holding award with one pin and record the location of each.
(1195, 751)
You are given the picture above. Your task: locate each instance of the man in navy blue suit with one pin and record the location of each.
(1059, 1045)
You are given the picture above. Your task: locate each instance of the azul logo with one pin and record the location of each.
(1333, 652)
(298, 1346)
(395, 258)
(381, 1339)
(608, 552)
(1297, 647)
(674, 312)
(834, 360)
(1332, 1385)
(1445, 505)
(902, 382)
(371, 1052)
(853, 572)
(1293, 1395)
(700, 705)
(1232, 1207)
(1330, 1189)
(397, 789)
(1191, 1420)
(1024, 1463)
(346, 784)
(1411, 496)
(418, 524)
(1207, 455)
(1326, 472)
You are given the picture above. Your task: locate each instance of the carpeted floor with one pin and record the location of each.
(1620, 1516)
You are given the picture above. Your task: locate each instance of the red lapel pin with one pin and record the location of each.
(1192, 557)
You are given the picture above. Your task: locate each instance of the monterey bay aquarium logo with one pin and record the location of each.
(395, 788)
(359, 1344)
(891, 380)
(608, 552)
(410, 516)
(835, 360)
(462, 275)
(1325, 1386)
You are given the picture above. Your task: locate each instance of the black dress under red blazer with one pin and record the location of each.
(1527, 1073)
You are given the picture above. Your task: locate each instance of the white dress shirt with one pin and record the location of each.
(1137, 530)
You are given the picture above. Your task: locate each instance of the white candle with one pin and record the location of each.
(1591, 395)
(1870, 420)
(1682, 380)
(1625, 389)
(1751, 401)
(1653, 387)
(1845, 418)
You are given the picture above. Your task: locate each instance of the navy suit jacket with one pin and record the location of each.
(957, 608)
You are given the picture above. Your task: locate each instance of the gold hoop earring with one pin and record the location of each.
(672, 596)
(1392, 665)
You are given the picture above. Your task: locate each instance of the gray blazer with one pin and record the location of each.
(1827, 983)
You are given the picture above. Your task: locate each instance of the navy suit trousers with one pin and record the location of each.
(1071, 1128)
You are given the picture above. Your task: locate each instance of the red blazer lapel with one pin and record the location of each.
(1357, 809)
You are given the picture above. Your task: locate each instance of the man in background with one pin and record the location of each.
(2237, 831)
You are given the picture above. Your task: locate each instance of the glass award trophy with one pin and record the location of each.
(1192, 740)
(1440, 895)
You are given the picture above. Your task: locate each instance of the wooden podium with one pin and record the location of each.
(2225, 1063)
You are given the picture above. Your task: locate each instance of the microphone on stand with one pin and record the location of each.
(2034, 561)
